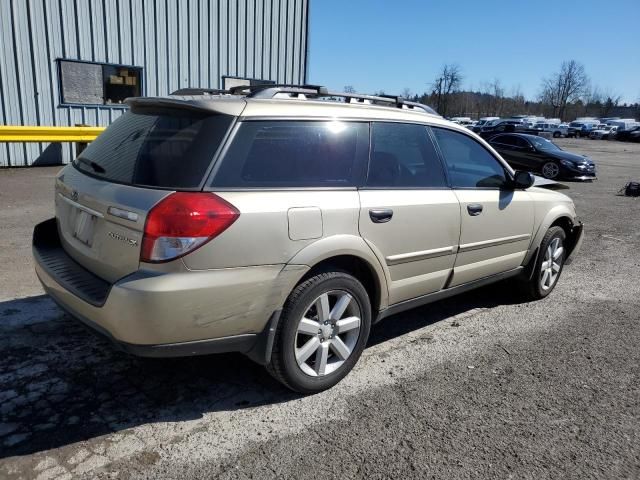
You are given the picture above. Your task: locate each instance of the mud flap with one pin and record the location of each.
(261, 351)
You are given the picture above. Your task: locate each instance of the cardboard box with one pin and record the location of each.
(130, 80)
(116, 80)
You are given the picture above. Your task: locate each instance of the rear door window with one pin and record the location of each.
(170, 149)
(521, 143)
(503, 140)
(271, 154)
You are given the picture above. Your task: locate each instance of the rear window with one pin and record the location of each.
(171, 149)
(295, 154)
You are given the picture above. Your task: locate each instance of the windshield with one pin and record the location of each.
(543, 144)
(165, 149)
(575, 124)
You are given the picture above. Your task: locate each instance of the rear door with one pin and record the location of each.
(409, 216)
(496, 221)
(102, 199)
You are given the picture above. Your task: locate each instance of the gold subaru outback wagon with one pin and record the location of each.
(283, 221)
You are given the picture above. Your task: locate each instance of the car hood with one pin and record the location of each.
(572, 157)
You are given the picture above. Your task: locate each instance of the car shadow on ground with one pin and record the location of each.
(60, 384)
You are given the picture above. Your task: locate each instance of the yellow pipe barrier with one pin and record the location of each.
(48, 134)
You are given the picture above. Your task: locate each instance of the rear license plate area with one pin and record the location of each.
(83, 227)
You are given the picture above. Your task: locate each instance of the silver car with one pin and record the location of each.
(282, 222)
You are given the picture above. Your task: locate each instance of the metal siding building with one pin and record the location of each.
(176, 43)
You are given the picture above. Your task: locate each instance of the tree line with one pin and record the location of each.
(566, 94)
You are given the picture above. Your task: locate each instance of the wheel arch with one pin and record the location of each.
(560, 215)
(347, 253)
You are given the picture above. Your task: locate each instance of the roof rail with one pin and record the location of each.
(199, 91)
(422, 106)
(391, 100)
(271, 90)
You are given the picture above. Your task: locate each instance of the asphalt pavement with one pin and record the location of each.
(477, 386)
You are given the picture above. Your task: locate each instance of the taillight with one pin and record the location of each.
(182, 222)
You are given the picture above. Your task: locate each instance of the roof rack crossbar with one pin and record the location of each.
(267, 90)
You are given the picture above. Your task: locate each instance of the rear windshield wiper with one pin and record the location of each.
(96, 168)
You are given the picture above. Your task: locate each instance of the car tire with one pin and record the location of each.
(548, 267)
(556, 134)
(310, 352)
(550, 170)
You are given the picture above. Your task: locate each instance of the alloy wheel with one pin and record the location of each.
(552, 264)
(550, 170)
(327, 333)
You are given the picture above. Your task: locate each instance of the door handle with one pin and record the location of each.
(474, 209)
(380, 215)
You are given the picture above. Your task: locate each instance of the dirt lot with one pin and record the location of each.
(476, 386)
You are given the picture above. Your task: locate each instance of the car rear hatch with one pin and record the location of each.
(103, 198)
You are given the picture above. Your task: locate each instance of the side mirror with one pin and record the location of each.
(523, 179)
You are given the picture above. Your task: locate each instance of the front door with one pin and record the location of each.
(408, 215)
(496, 221)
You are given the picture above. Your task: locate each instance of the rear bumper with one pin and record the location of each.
(151, 313)
(235, 343)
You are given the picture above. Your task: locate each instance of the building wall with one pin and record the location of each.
(178, 43)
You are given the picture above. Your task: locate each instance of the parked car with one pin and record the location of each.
(482, 122)
(508, 126)
(624, 123)
(494, 127)
(556, 130)
(603, 132)
(628, 135)
(284, 229)
(541, 155)
(581, 129)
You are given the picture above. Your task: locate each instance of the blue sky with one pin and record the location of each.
(389, 45)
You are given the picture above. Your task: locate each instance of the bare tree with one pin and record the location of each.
(565, 86)
(406, 93)
(611, 101)
(349, 89)
(446, 83)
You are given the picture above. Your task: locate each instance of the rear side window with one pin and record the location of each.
(403, 155)
(504, 140)
(470, 165)
(171, 149)
(272, 154)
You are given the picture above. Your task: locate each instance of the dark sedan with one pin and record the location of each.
(537, 154)
(631, 135)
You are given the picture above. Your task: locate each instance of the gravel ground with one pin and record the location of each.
(476, 386)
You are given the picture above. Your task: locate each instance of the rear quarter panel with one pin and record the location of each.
(263, 233)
